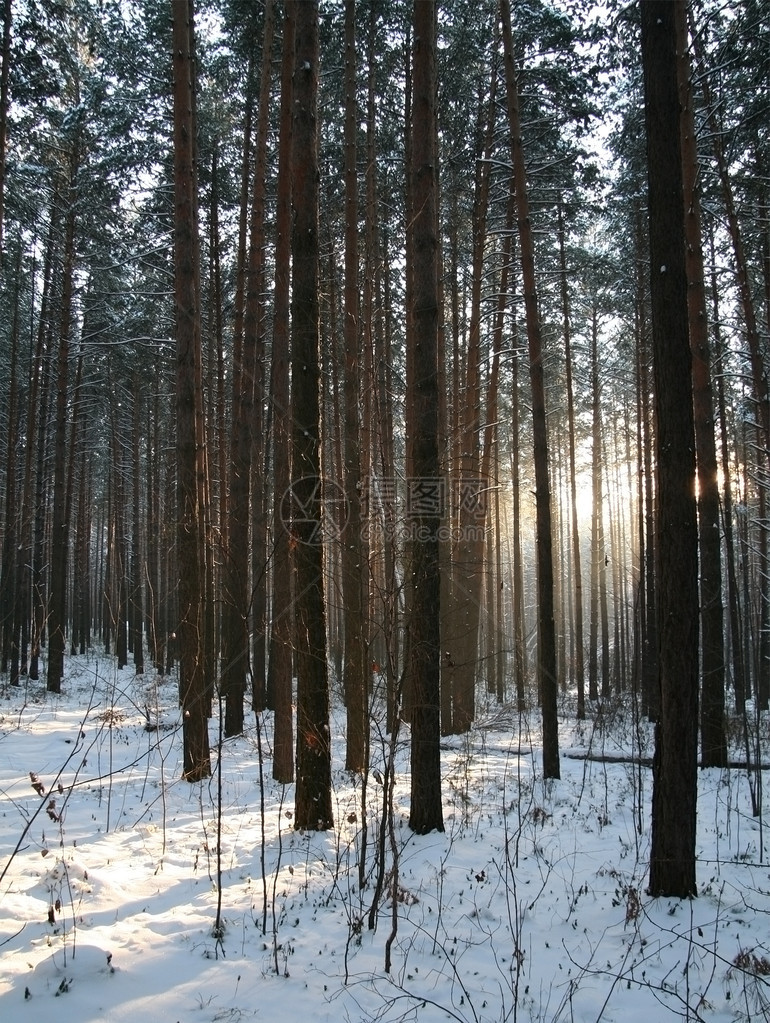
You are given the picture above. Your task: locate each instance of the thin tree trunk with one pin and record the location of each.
(280, 674)
(546, 668)
(468, 578)
(5, 56)
(246, 423)
(577, 571)
(354, 574)
(758, 372)
(519, 623)
(650, 688)
(34, 485)
(60, 522)
(256, 320)
(599, 667)
(386, 465)
(713, 741)
(9, 578)
(489, 454)
(137, 562)
(152, 526)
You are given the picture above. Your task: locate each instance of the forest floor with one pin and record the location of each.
(530, 906)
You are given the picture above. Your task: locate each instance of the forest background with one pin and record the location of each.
(235, 488)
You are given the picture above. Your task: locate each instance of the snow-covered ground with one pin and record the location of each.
(530, 906)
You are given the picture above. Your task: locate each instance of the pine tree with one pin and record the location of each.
(672, 856)
(313, 787)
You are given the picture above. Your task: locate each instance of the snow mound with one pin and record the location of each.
(67, 967)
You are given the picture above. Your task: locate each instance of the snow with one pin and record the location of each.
(530, 906)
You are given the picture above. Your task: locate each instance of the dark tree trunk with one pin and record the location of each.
(5, 55)
(313, 788)
(256, 321)
(471, 488)
(138, 564)
(282, 620)
(33, 513)
(195, 686)
(579, 664)
(672, 859)
(10, 578)
(518, 628)
(731, 563)
(246, 426)
(713, 741)
(546, 668)
(599, 668)
(60, 523)
(355, 575)
(649, 673)
(422, 396)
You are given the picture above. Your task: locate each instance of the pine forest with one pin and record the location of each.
(384, 470)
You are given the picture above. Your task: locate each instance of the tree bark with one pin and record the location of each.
(313, 789)
(672, 859)
(546, 667)
(577, 572)
(194, 686)
(246, 423)
(282, 619)
(713, 740)
(422, 396)
(60, 522)
(355, 574)
(5, 55)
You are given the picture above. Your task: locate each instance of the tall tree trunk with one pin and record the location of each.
(34, 466)
(713, 741)
(546, 666)
(650, 688)
(733, 596)
(60, 522)
(218, 416)
(471, 486)
(152, 526)
(118, 600)
(313, 788)
(379, 525)
(422, 395)
(246, 423)
(39, 591)
(282, 631)
(672, 859)
(387, 502)
(355, 576)
(490, 467)
(256, 320)
(10, 580)
(517, 608)
(599, 668)
(195, 686)
(5, 56)
(138, 563)
(400, 699)
(577, 571)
